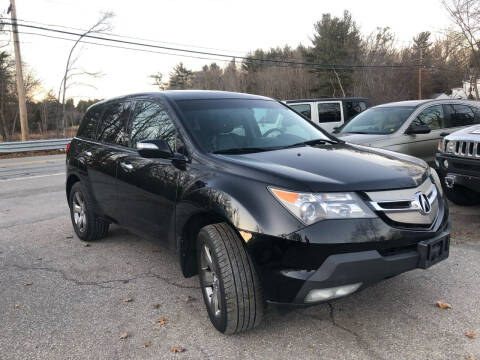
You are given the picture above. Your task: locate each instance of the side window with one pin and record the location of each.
(433, 117)
(329, 112)
(113, 124)
(476, 110)
(303, 109)
(462, 115)
(151, 122)
(89, 125)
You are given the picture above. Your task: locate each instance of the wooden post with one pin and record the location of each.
(18, 66)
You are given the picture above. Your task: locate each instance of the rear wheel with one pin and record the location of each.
(230, 286)
(87, 225)
(462, 196)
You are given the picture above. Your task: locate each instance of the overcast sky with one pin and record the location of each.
(233, 26)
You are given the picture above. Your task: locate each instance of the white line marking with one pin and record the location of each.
(33, 177)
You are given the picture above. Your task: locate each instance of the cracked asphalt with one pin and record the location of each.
(60, 299)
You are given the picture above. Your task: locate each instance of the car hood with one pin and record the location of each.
(339, 167)
(364, 139)
(470, 133)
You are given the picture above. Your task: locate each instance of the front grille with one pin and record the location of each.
(405, 207)
(467, 149)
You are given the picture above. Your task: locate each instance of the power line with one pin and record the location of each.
(128, 37)
(230, 56)
(157, 52)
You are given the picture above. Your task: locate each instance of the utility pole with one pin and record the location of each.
(22, 106)
(420, 75)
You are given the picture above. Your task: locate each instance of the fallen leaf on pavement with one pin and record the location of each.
(16, 306)
(470, 357)
(147, 344)
(189, 299)
(123, 336)
(156, 329)
(443, 305)
(156, 306)
(470, 335)
(176, 349)
(27, 283)
(162, 321)
(129, 299)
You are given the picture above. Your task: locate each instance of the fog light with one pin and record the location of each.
(445, 163)
(317, 295)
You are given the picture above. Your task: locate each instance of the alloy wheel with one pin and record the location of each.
(210, 281)
(79, 211)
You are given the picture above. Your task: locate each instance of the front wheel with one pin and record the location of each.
(230, 286)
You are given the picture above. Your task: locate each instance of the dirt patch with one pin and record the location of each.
(465, 223)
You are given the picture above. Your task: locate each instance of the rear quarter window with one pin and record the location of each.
(89, 125)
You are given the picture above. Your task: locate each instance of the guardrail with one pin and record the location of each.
(33, 145)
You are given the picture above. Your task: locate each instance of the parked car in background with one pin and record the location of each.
(288, 215)
(329, 113)
(458, 163)
(410, 127)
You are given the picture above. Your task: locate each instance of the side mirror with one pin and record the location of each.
(418, 129)
(154, 149)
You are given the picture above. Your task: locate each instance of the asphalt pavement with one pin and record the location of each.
(60, 299)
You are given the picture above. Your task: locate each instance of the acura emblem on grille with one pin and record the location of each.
(423, 203)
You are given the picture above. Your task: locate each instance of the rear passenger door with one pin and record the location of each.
(460, 116)
(111, 145)
(147, 188)
(330, 114)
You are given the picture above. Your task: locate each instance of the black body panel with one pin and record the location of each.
(159, 198)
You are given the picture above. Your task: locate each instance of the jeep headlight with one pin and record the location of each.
(312, 207)
(449, 146)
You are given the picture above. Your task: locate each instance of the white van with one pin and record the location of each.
(329, 113)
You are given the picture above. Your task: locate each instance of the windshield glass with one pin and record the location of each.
(251, 125)
(380, 120)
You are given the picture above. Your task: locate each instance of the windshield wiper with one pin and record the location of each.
(311, 142)
(244, 150)
(356, 132)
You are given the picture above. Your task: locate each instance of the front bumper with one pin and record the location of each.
(333, 253)
(460, 171)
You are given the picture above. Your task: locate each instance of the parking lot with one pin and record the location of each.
(61, 299)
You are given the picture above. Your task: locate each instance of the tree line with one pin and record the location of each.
(345, 62)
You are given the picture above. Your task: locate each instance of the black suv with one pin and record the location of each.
(276, 211)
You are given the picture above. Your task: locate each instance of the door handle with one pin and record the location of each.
(126, 166)
(444, 134)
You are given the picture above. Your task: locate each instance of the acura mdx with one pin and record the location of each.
(262, 204)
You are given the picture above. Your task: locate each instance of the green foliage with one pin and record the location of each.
(180, 78)
(336, 42)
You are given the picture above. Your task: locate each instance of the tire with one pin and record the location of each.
(240, 300)
(462, 196)
(91, 227)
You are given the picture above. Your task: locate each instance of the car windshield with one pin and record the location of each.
(243, 125)
(379, 120)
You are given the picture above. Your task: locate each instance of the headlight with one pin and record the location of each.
(450, 146)
(312, 207)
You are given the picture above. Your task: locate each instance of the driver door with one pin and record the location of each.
(147, 188)
(424, 145)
